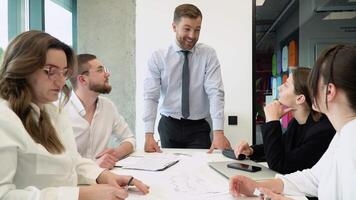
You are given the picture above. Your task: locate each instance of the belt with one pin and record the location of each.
(182, 119)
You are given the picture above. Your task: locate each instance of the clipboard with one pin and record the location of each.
(147, 163)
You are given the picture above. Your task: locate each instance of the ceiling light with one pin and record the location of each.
(340, 15)
(260, 2)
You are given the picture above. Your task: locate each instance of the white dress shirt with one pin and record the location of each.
(29, 171)
(107, 123)
(334, 176)
(163, 82)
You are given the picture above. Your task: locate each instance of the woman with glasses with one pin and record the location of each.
(333, 90)
(294, 149)
(38, 151)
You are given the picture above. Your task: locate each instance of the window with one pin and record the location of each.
(58, 20)
(52, 16)
(3, 27)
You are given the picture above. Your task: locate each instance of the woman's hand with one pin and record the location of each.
(242, 185)
(106, 177)
(275, 110)
(102, 192)
(243, 148)
(269, 194)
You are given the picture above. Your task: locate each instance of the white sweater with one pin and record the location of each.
(29, 171)
(334, 176)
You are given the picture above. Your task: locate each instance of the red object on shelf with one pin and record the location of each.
(292, 54)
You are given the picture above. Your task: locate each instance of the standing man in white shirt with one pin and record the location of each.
(95, 119)
(187, 78)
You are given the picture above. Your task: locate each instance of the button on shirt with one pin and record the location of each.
(29, 171)
(163, 82)
(106, 124)
(334, 175)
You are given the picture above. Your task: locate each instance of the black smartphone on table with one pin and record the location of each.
(244, 167)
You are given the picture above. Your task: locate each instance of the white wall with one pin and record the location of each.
(227, 27)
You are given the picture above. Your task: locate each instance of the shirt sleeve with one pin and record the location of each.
(87, 170)
(300, 183)
(300, 157)
(258, 152)
(9, 146)
(214, 88)
(33, 193)
(274, 145)
(152, 87)
(305, 182)
(122, 130)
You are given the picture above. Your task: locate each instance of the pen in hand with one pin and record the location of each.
(129, 183)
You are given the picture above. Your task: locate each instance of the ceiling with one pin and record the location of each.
(266, 15)
(278, 10)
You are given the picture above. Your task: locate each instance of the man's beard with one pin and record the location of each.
(102, 89)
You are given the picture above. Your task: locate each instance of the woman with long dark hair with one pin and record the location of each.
(37, 147)
(333, 90)
(295, 148)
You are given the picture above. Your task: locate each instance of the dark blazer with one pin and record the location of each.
(300, 147)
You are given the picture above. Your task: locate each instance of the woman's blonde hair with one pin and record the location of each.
(26, 54)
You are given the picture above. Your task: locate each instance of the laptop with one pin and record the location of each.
(221, 167)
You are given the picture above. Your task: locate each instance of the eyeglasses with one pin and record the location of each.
(54, 73)
(99, 70)
(102, 69)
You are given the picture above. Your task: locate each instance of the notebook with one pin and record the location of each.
(221, 167)
(148, 163)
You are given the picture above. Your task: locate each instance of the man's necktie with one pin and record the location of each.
(185, 86)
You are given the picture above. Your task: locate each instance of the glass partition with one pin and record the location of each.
(291, 33)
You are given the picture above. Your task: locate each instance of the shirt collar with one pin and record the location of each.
(77, 104)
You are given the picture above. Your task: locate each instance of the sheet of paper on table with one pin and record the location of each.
(150, 163)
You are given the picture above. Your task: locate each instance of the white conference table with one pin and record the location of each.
(190, 179)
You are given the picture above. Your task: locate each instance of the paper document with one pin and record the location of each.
(149, 162)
